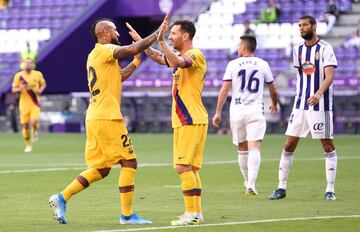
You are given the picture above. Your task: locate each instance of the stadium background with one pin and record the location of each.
(59, 33)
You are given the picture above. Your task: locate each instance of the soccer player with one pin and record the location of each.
(189, 116)
(30, 84)
(246, 76)
(316, 62)
(107, 139)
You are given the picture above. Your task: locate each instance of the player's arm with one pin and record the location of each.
(273, 96)
(128, 70)
(220, 103)
(173, 59)
(17, 86)
(154, 54)
(138, 46)
(329, 78)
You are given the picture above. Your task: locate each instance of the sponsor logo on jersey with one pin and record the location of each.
(308, 68)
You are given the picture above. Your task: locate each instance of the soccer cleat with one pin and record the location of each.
(251, 192)
(58, 203)
(330, 196)
(186, 220)
(28, 149)
(133, 219)
(199, 216)
(278, 194)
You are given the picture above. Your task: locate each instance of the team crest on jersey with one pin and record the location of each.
(308, 68)
(317, 55)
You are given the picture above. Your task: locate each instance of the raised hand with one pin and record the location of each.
(164, 27)
(134, 35)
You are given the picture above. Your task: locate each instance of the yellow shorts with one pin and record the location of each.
(30, 113)
(189, 144)
(107, 142)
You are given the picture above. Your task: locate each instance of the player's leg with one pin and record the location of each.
(243, 155)
(25, 130)
(322, 128)
(34, 121)
(254, 161)
(330, 167)
(98, 169)
(297, 127)
(184, 147)
(255, 125)
(196, 165)
(238, 131)
(120, 150)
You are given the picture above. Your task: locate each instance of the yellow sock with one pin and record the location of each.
(126, 188)
(188, 183)
(198, 193)
(81, 182)
(26, 136)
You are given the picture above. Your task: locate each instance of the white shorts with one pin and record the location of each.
(248, 127)
(319, 123)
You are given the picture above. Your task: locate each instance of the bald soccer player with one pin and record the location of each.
(107, 139)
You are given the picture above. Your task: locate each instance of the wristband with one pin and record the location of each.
(135, 62)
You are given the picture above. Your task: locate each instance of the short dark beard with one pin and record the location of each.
(115, 41)
(308, 36)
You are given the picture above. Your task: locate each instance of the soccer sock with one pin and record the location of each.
(253, 166)
(126, 188)
(26, 136)
(81, 182)
(188, 183)
(284, 168)
(34, 129)
(197, 208)
(243, 163)
(330, 165)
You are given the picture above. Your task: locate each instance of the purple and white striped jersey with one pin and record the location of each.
(311, 62)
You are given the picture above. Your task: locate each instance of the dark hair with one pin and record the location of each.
(186, 26)
(311, 19)
(93, 25)
(250, 42)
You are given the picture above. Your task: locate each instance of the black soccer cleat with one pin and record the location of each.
(278, 194)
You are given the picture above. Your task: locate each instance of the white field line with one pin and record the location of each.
(75, 166)
(233, 223)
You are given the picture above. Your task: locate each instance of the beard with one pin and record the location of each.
(115, 41)
(308, 36)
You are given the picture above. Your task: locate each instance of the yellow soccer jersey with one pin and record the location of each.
(32, 81)
(188, 84)
(104, 81)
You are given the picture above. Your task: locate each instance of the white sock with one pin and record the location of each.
(243, 163)
(330, 166)
(253, 166)
(284, 168)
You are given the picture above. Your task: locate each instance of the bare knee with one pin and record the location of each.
(291, 143)
(129, 163)
(328, 145)
(180, 168)
(25, 126)
(104, 172)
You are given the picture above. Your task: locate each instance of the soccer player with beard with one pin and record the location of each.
(313, 106)
(107, 139)
(189, 116)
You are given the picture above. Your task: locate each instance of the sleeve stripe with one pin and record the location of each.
(166, 61)
(188, 61)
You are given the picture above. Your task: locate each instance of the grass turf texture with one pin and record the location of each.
(24, 196)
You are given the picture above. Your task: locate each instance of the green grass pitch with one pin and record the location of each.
(27, 181)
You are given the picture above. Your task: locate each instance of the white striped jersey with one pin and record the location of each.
(248, 75)
(311, 62)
